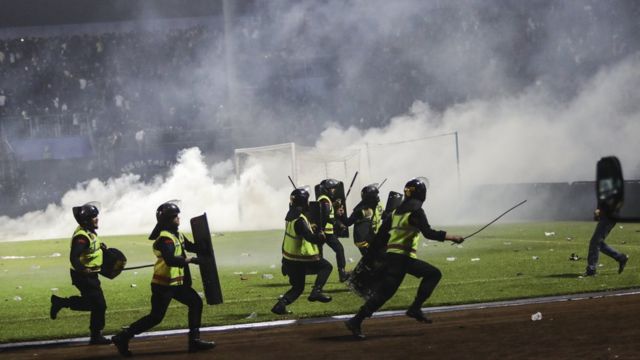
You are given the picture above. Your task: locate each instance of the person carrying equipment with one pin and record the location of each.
(171, 280)
(86, 259)
(327, 190)
(301, 254)
(400, 234)
(366, 218)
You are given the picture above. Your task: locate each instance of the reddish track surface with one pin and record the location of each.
(603, 328)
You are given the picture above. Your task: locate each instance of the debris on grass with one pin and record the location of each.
(535, 257)
(54, 289)
(238, 273)
(17, 298)
(549, 233)
(56, 254)
(537, 316)
(134, 285)
(451, 258)
(574, 257)
(267, 276)
(350, 260)
(253, 315)
(475, 259)
(253, 272)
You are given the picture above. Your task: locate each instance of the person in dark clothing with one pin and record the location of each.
(328, 222)
(171, 280)
(301, 255)
(366, 218)
(399, 235)
(86, 259)
(597, 245)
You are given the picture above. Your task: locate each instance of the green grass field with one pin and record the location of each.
(503, 262)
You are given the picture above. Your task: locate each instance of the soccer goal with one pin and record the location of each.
(305, 165)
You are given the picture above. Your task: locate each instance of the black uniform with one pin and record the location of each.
(297, 270)
(162, 295)
(91, 296)
(332, 239)
(398, 265)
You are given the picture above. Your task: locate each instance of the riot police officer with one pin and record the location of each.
(171, 280)
(86, 259)
(301, 254)
(326, 199)
(366, 218)
(400, 234)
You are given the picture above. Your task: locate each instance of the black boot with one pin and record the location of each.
(195, 344)
(416, 313)
(280, 307)
(317, 295)
(98, 339)
(57, 303)
(343, 275)
(622, 263)
(121, 341)
(353, 325)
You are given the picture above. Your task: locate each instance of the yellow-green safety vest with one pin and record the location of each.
(91, 258)
(328, 228)
(403, 238)
(164, 274)
(295, 247)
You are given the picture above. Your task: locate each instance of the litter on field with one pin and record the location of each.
(549, 233)
(537, 316)
(19, 287)
(56, 254)
(238, 273)
(134, 285)
(253, 315)
(475, 259)
(350, 260)
(451, 258)
(267, 276)
(54, 289)
(201, 294)
(252, 272)
(535, 257)
(17, 298)
(16, 257)
(574, 257)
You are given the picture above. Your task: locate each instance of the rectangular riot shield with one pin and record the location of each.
(393, 201)
(609, 185)
(314, 215)
(340, 201)
(208, 268)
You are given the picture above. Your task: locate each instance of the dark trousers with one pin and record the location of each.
(597, 244)
(397, 267)
(161, 296)
(336, 246)
(91, 298)
(297, 271)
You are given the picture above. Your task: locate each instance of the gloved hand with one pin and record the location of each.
(194, 260)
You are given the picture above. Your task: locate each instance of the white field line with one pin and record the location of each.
(336, 318)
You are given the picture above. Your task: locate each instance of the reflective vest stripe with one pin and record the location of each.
(328, 227)
(403, 238)
(91, 258)
(164, 274)
(295, 247)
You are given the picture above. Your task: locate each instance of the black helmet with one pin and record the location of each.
(329, 183)
(166, 212)
(299, 198)
(84, 214)
(370, 193)
(416, 188)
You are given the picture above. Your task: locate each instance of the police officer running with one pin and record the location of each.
(401, 233)
(171, 280)
(367, 218)
(301, 255)
(327, 197)
(86, 259)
